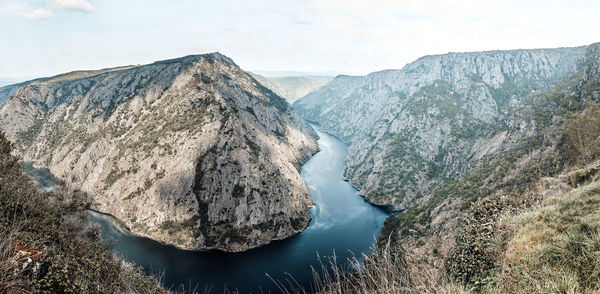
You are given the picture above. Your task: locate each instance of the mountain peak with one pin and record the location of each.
(189, 119)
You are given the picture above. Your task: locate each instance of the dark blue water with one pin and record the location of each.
(342, 223)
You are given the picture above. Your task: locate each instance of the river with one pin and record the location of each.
(343, 222)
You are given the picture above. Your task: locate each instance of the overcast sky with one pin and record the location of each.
(47, 37)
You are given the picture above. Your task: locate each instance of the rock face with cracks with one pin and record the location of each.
(411, 129)
(191, 152)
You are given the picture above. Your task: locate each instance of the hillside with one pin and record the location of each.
(521, 221)
(411, 129)
(191, 151)
(47, 247)
(7, 91)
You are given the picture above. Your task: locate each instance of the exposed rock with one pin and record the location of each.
(413, 128)
(192, 151)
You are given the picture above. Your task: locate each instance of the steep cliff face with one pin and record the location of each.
(471, 220)
(413, 128)
(293, 88)
(192, 151)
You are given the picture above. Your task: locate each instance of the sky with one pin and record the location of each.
(47, 37)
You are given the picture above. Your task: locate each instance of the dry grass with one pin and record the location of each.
(555, 248)
(385, 272)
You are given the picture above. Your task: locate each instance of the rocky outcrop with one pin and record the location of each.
(413, 128)
(293, 88)
(192, 151)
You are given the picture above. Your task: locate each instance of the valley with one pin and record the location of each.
(203, 171)
(342, 224)
(411, 129)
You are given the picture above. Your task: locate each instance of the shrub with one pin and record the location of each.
(477, 253)
(578, 177)
(52, 227)
(582, 135)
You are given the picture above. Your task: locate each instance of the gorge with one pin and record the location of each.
(342, 224)
(413, 128)
(195, 153)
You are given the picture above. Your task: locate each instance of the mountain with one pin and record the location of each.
(10, 81)
(7, 91)
(524, 216)
(521, 219)
(192, 152)
(5, 82)
(411, 129)
(293, 87)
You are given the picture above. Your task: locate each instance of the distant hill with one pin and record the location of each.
(278, 74)
(293, 87)
(4, 81)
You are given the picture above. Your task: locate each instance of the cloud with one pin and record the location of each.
(25, 10)
(74, 5)
(39, 13)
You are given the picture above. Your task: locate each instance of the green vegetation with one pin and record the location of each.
(510, 239)
(254, 148)
(51, 228)
(174, 227)
(555, 248)
(438, 95)
(475, 256)
(514, 88)
(582, 139)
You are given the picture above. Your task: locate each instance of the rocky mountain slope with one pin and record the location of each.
(483, 217)
(524, 219)
(293, 88)
(192, 151)
(7, 91)
(411, 129)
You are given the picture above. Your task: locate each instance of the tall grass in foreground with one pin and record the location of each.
(555, 249)
(385, 272)
(551, 247)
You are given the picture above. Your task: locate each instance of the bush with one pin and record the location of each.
(477, 253)
(582, 135)
(578, 177)
(67, 256)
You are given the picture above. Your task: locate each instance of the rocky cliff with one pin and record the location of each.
(192, 151)
(471, 229)
(411, 129)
